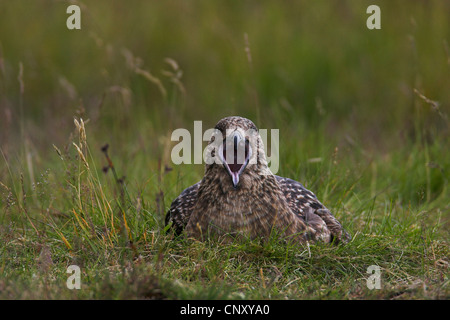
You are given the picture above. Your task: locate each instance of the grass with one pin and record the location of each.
(363, 119)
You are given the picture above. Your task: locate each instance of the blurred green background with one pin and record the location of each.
(139, 69)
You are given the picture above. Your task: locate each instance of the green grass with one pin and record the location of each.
(363, 119)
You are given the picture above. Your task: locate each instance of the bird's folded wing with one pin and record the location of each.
(305, 204)
(181, 209)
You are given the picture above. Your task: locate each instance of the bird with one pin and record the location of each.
(239, 197)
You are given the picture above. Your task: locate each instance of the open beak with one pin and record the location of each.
(235, 153)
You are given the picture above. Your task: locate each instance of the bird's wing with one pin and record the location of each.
(181, 208)
(305, 204)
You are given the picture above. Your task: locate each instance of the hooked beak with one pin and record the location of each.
(235, 153)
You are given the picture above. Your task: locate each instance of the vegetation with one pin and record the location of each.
(86, 118)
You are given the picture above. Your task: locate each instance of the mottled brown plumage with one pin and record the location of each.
(244, 199)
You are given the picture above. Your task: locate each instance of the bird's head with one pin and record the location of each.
(237, 149)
